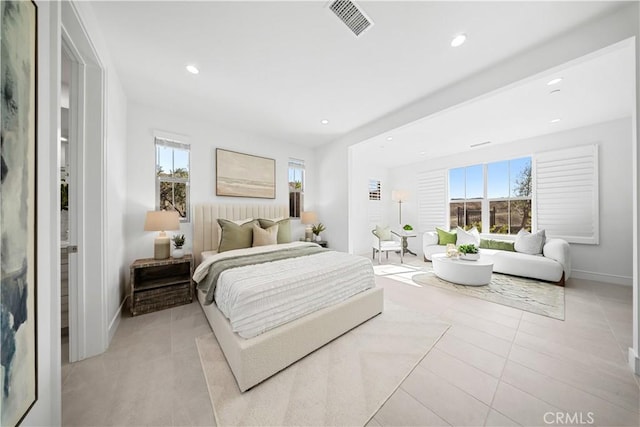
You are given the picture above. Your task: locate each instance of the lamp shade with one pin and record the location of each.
(162, 221)
(308, 217)
(399, 195)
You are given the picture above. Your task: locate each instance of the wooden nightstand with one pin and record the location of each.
(159, 284)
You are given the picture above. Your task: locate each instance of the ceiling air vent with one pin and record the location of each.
(351, 15)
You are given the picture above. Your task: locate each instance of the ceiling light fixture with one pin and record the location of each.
(192, 69)
(554, 121)
(554, 81)
(480, 143)
(458, 40)
(422, 153)
(324, 121)
(554, 91)
(389, 138)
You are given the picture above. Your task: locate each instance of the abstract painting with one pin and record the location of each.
(244, 175)
(18, 209)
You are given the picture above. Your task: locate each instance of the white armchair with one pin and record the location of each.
(385, 241)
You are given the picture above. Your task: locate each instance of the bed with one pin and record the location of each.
(255, 359)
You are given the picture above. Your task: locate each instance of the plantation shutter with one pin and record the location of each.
(566, 194)
(432, 200)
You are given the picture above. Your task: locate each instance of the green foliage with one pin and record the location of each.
(178, 241)
(317, 229)
(468, 249)
(64, 196)
(407, 227)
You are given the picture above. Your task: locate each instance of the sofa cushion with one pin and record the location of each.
(445, 237)
(525, 265)
(464, 237)
(502, 245)
(528, 243)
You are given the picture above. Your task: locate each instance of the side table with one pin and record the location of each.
(159, 284)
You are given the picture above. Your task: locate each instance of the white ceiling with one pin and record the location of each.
(278, 68)
(594, 89)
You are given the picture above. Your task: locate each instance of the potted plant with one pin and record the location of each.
(178, 242)
(317, 229)
(469, 252)
(407, 227)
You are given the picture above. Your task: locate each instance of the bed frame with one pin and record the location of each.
(256, 359)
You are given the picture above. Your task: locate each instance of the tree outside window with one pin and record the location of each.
(172, 177)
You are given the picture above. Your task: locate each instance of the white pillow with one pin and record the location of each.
(471, 237)
(237, 222)
(528, 243)
(383, 233)
(265, 236)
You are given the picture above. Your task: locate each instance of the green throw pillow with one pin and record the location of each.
(284, 228)
(235, 236)
(501, 245)
(446, 237)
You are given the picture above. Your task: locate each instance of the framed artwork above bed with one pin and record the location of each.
(245, 175)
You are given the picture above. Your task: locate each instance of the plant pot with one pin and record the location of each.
(470, 257)
(318, 238)
(178, 253)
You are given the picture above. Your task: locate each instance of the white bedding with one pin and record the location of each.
(258, 298)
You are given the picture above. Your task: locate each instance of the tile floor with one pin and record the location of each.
(496, 366)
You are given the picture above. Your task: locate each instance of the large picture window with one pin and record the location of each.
(494, 197)
(172, 176)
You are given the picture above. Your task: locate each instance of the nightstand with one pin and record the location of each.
(323, 243)
(159, 284)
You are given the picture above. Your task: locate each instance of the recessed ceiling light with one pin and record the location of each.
(389, 138)
(554, 91)
(422, 153)
(554, 81)
(554, 121)
(192, 69)
(458, 40)
(324, 121)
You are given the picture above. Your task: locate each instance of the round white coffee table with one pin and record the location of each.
(462, 272)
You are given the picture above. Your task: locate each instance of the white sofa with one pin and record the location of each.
(554, 265)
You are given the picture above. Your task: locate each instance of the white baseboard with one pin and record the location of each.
(600, 277)
(115, 322)
(634, 361)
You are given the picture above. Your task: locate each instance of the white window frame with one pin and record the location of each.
(178, 142)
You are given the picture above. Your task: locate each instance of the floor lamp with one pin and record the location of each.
(399, 196)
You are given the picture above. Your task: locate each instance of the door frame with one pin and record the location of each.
(88, 323)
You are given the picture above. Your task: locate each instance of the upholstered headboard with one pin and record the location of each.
(205, 231)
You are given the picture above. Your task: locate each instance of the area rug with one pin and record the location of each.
(525, 294)
(343, 383)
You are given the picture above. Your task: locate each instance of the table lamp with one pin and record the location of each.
(161, 221)
(309, 218)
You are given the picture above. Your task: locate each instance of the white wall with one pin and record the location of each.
(365, 214)
(204, 138)
(610, 261)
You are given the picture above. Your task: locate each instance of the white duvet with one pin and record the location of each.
(258, 298)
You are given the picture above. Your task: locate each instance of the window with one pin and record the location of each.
(374, 189)
(466, 192)
(503, 208)
(296, 187)
(172, 176)
(509, 194)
